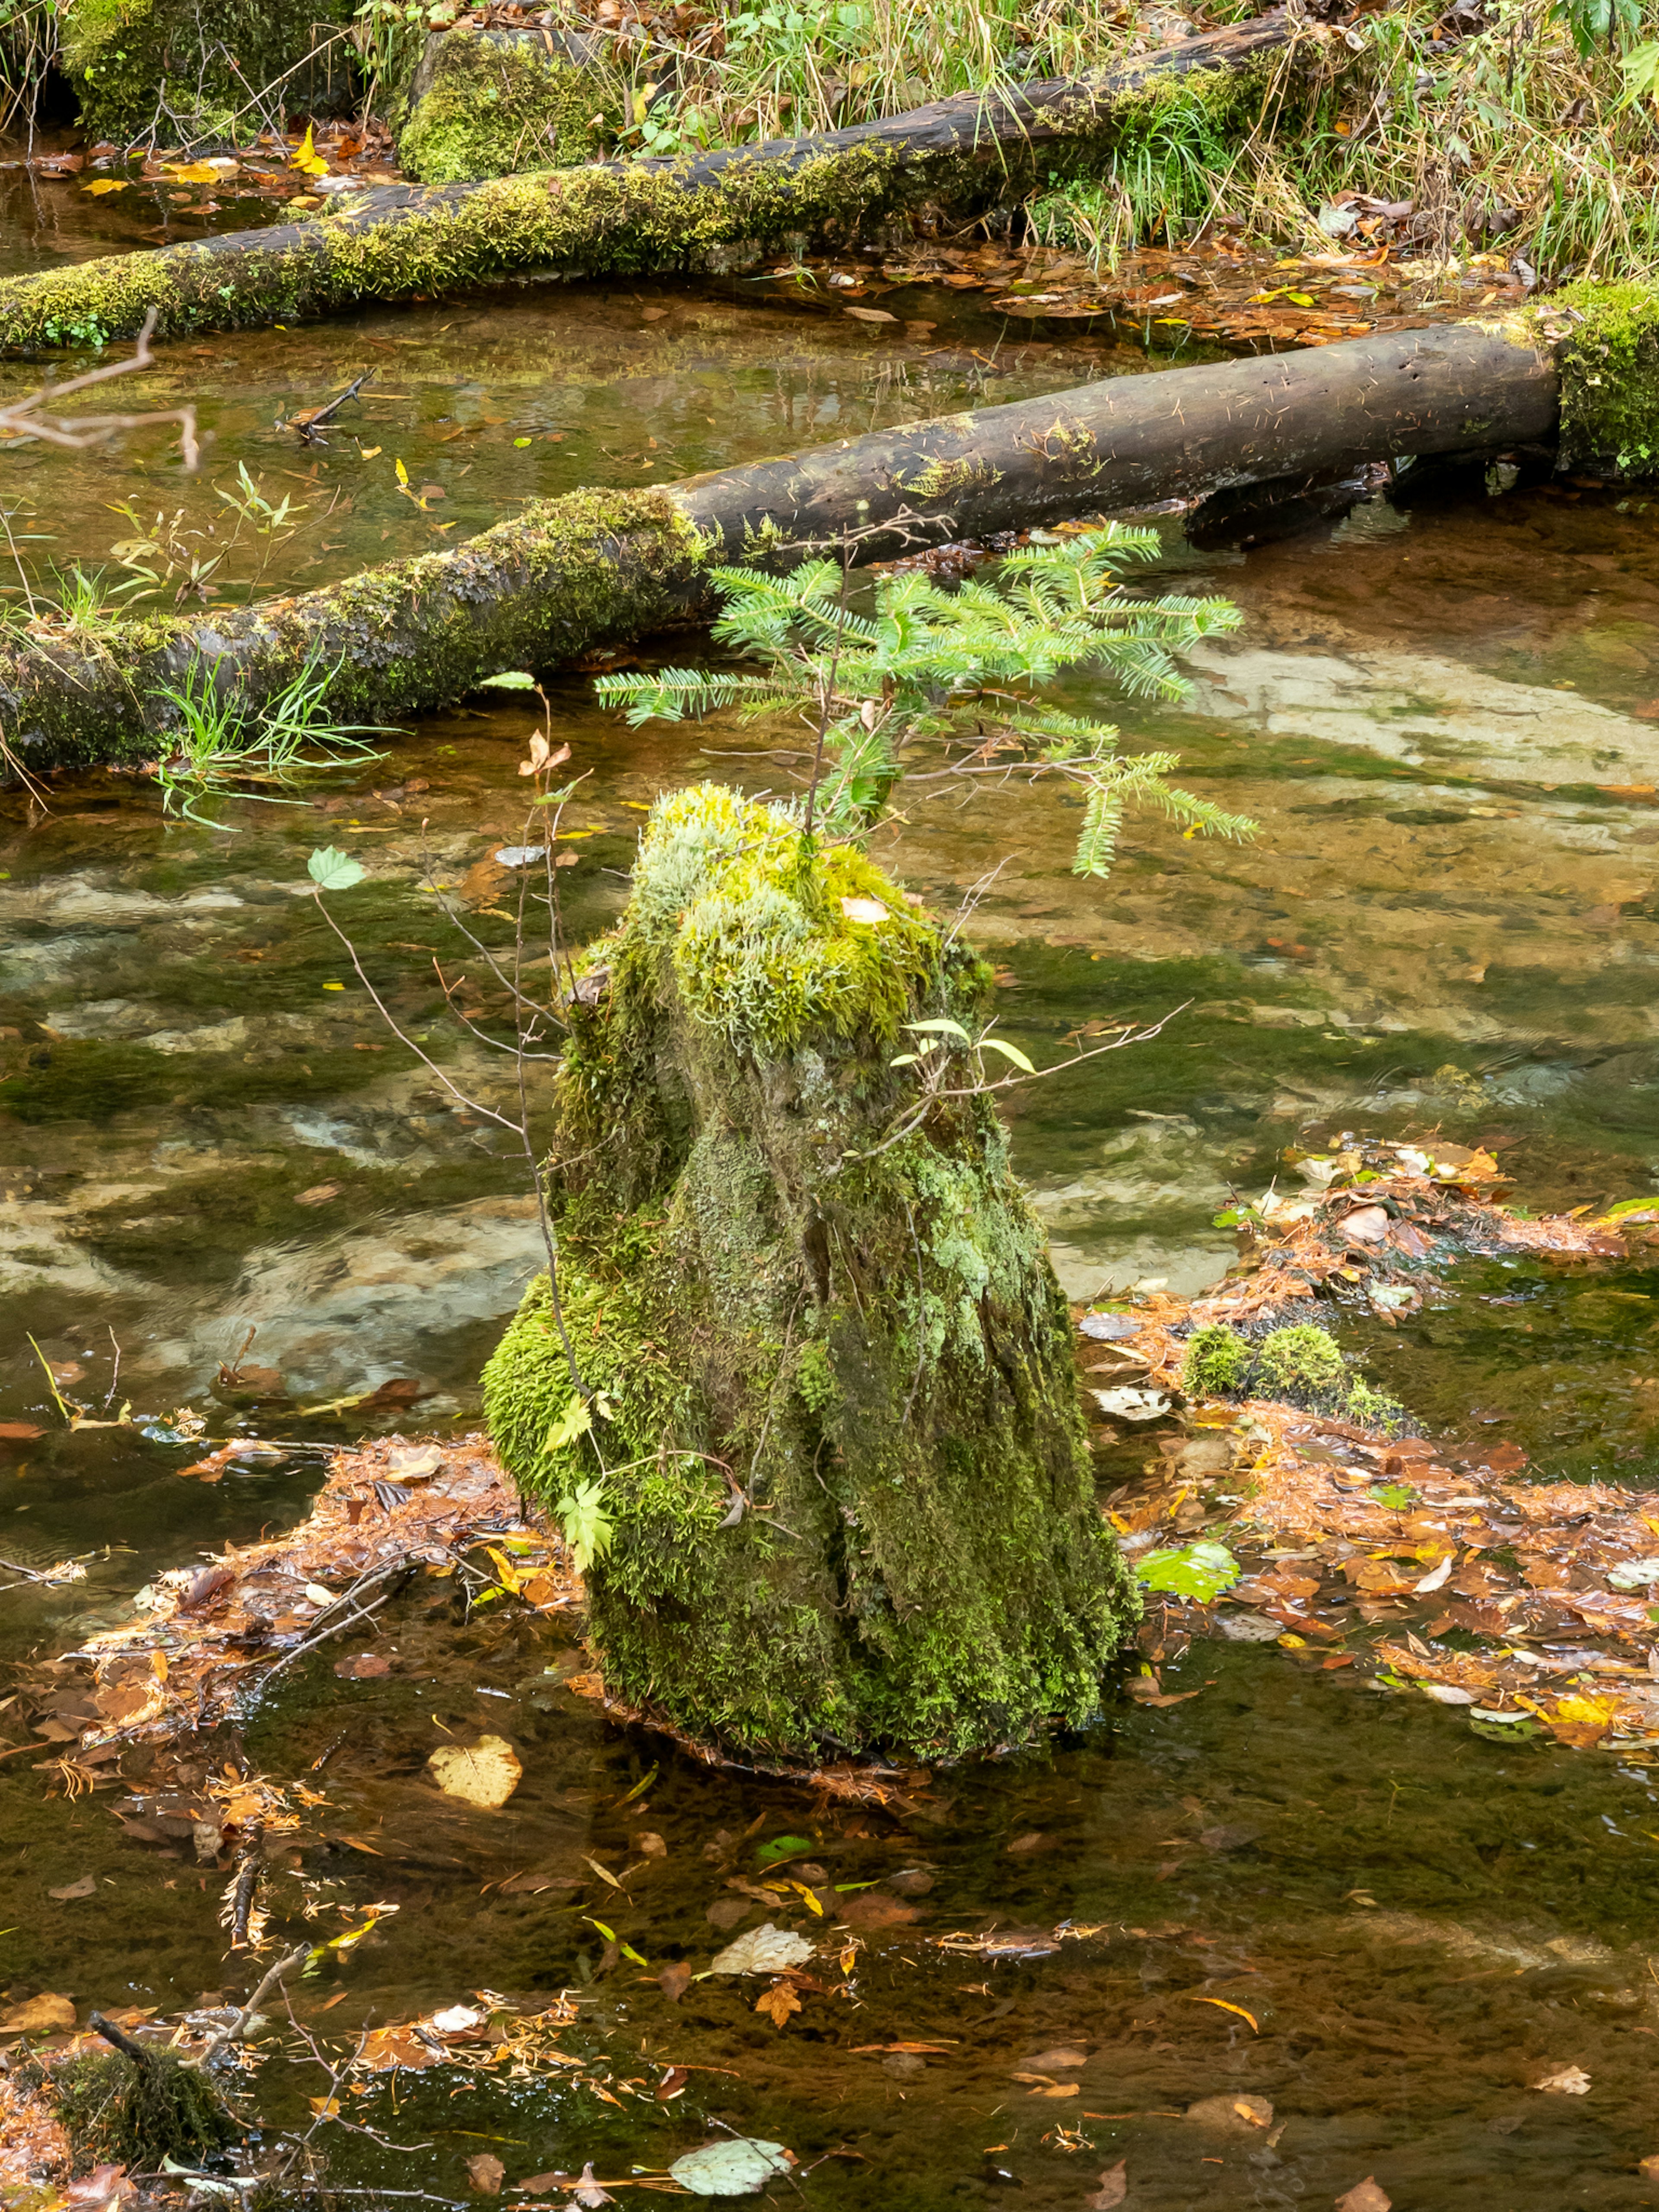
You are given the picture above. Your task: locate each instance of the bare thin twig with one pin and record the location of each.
(238, 2027)
(22, 420)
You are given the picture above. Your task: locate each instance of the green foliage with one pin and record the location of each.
(960, 673)
(223, 747)
(1217, 1362)
(331, 870)
(1170, 161)
(588, 1528)
(1598, 22)
(1201, 1570)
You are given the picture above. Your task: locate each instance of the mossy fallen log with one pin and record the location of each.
(837, 1442)
(593, 567)
(631, 217)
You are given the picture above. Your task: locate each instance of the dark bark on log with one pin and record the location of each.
(620, 217)
(573, 572)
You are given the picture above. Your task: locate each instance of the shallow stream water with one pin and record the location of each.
(1443, 713)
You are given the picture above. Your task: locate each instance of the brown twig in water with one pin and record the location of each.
(20, 422)
(238, 2027)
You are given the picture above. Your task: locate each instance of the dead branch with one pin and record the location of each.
(19, 421)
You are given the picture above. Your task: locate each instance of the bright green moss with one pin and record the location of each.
(114, 2112)
(141, 67)
(1609, 367)
(493, 105)
(852, 1496)
(1298, 1363)
(1217, 1362)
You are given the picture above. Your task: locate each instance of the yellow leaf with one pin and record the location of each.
(106, 185)
(487, 1774)
(305, 157)
(604, 1874)
(1225, 2006)
(158, 1665)
(808, 1895)
(368, 453)
(1593, 1710)
(194, 173)
(509, 1575)
(403, 473)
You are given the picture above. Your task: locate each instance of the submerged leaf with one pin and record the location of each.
(740, 2166)
(484, 1773)
(1202, 1570)
(331, 870)
(762, 1950)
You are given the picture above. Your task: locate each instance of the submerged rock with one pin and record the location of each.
(838, 1489)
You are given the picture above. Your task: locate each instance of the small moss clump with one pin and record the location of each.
(1302, 1366)
(495, 102)
(862, 1337)
(1217, 1362)
(117, 2113)
(1609, 369)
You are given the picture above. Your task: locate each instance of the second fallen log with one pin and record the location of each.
(594, 566)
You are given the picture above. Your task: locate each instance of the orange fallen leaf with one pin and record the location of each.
(1222, 2004)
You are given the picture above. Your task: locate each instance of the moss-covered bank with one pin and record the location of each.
(145, 67)
(836, 1432)
(1610, 362)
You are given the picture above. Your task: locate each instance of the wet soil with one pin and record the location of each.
(1439, 713)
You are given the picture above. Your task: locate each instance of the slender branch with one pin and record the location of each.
(238, 2028)
(20, 420)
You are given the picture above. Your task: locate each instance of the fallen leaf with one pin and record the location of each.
(865, 910)
(40, 2014)
(99, 184)
(541, 2184)
(414, 1462)
(739, 2166)
(674, 1981)
(1240, 2115)
(1114, 2188)
(1223, 2005)
(196, 172)
(19, 1432)
(764, 1950)
(484, 1773)
(871, 1911)
(1570, 2081)
(779, 2002)
(1364, 2197)
(84, 1887)
(488, 2173)
(871, 314)
(362, 1667)
(650, 1844)
(304, 156)
(1032, 1841)
(104, 2185)
(586, 2191)
(1059, 2061)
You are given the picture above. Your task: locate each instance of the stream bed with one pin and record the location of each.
(1443, 712)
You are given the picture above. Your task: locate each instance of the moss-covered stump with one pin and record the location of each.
(485, 103)
(1607, 340)
(140, 67)
(834, 1428)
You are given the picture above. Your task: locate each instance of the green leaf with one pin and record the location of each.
(740, 2166)
(783, 1847)
(1396, 1496)
(1008, 1051)
(1202, 1570)
(510, 679)
(940, 1027)
(576, 1420)
(333, 870)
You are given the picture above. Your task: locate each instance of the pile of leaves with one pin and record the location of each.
(302, 168)
(1213, 290)
(1440, 1570)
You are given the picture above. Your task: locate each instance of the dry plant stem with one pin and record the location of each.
(19, 421)
(120, 2041)
(234, 2029)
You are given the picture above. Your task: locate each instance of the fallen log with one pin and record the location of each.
(590, 567)
(609, 218)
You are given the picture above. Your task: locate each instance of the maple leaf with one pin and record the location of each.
(779, 2002)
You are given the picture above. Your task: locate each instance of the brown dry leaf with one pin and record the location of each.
(674, 1981)
(869, 1911)
(485, 1773)
(779, 2002)
(870, 315)
(19, 1432)
(1114, 2188)
(362, 1667)
(1022, 1845)
(488, 2173)
(414, 1462)
(319, 1194)
(40, 2015)
(1364, 2197)
(540, 2185)
(650, 1845)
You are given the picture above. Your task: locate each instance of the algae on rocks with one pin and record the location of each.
(844, 1494)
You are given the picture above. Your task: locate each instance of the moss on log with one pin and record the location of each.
(624, 218)
(593, 567)
(838, 1439)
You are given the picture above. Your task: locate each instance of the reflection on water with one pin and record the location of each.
(1448, 922)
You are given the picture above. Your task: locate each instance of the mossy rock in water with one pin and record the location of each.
(117, 2113)
(865, 1337)
(1301, 1365)
(489, 103)
(143, 69)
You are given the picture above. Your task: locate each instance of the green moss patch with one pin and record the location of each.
(494, 103)
(830, 1406)
(1302, 1365)
(144, 66)
(1609, 365)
